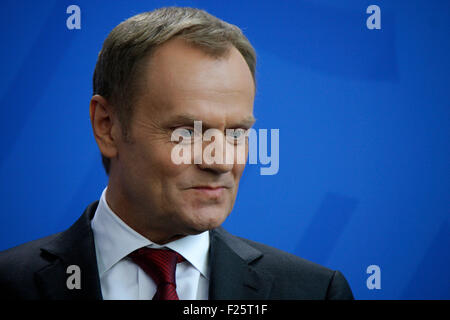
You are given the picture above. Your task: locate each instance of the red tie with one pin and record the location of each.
(160, 265)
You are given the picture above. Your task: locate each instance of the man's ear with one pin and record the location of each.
(104, 126)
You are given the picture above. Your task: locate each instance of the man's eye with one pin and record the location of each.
(187, 133)
(236, 135)
(184, 135)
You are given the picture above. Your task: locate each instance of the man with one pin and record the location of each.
(156, 230)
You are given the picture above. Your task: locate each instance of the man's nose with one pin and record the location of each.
(214, 156)
(216, 167)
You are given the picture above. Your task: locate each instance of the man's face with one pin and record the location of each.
(182, 83)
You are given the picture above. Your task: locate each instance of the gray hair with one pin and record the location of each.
(129, 44)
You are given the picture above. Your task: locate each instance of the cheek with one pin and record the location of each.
(171, 176)
(238, 170)
(151, 170)
(157, 160)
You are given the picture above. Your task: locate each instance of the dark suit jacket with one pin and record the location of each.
(240, 269)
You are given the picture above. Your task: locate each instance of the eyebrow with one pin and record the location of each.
(187, 119)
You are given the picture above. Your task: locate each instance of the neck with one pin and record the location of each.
(136, 219)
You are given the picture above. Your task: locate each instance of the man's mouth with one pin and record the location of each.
(213, 191)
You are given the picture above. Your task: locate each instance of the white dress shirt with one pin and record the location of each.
(122, 279)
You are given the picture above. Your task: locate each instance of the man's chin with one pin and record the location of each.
(206, 221)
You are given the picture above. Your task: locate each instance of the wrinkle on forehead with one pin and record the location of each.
(180, 76)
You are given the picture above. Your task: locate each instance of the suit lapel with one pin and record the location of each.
(74, 246)
(232, 275)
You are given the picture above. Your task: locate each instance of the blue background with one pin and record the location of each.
(363, 118)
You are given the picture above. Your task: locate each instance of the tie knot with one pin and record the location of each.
(159, 264)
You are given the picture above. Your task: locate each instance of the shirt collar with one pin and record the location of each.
(115, 240)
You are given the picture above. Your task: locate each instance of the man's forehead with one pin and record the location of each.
(178, 66)
(243, 120)
(186, 85)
